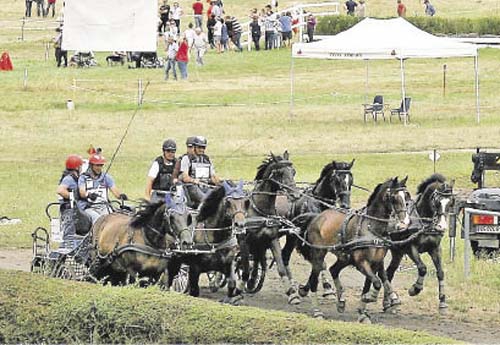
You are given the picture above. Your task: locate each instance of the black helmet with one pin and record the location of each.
(200, 141)
(190, 141)
(169, 144)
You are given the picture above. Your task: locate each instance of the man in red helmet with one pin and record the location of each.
(93, 186)
(68, 185)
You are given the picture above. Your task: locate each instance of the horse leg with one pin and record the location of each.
(317, 265)
(418, 286)
(435, 254)
(327, 287)
(370, 295)
(293, 296)
(194, 277)
(234, 293)
(335, 270)
(391, 298)
(286, 252)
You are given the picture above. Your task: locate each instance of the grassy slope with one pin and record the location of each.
(36, 308)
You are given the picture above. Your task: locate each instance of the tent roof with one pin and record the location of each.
(383, 39)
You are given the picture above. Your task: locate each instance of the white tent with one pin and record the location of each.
(373, 39)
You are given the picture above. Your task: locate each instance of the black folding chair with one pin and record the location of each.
(374, 109)
(401, 112)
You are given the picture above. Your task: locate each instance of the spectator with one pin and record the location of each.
(200, 45)
(216, 9)
(401, 9)
(176, 13)
(40, 8)
(224, 38)
(172, 49)
(189, 34)
(256, 32)
(236, 31)
(51, 3)
(286, 28)
(173, 31)
(429, 9)
(164, 15)
(311, 25)
(274, 4)
(183, 58)
(198, 13)
(218, 34)
(350, 6)
(28, 3)
(59, 53)
(269, 23)
(210, 30)
(361, 9)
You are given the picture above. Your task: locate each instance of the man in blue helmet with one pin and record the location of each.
(198, 172)
(160, 177)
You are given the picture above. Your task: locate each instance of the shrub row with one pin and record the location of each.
(332, 25)
(35, 309)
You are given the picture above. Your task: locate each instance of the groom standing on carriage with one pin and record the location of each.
(198, 172)
(93, 186)
(160, 176)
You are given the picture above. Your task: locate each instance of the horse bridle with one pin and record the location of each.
(391, 193)
(338, 173)
(436, 198)
(176, 209)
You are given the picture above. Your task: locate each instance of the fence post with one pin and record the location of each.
(139, 92)
(25, 79)
(47, 47)
(22, 28)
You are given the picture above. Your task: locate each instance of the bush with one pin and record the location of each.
(36, 309)
(332, 25)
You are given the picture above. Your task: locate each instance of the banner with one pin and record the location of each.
(110, 25)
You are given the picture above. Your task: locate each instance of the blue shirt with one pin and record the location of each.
(94, 184)
(286, 23)
(71, 184)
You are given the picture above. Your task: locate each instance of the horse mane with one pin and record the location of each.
(377, 190)
(145, 214)
(327, 170)
(430, 180)
(266, 163)
(211, 203)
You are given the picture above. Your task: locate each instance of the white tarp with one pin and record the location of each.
(110, 25)
(383, 39)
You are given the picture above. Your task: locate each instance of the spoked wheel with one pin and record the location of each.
(63, 271)
(256, 278)
(181, 280)
(216, 280)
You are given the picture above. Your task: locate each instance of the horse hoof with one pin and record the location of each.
(443, 308)
(318, 314)
(236, 300)
(341, 306)
(251, 284)
(303, 291)
(366, 298)
(329, 293)
(413, 291)
(294, 299)
(364, 318)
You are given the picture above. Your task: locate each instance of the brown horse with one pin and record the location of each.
(357, 238)
(139, 246)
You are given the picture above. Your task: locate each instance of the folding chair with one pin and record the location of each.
(376, 108)
(402, 112)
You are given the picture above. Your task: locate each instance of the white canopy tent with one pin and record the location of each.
(378, 39)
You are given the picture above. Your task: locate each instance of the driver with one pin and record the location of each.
(93, 186)
(198, 172)
(160, 176)
(68, 186)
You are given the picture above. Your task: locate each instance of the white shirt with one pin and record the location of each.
(200, 41)
(190, 35)
(154, 170)
(176, 13)
(218, 29)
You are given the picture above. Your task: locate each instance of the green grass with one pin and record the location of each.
(36, 309)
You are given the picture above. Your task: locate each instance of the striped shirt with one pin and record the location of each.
(236, 25)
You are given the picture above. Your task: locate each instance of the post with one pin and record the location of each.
(366, 83)
(434, 160)
(476, 82)
(301, 24)
(47, 47)
(22, 28)
(444, 80)
(403, 91)
(466, 244)
(25, 79)
(139, 92)
(291, 87)
(249, 38)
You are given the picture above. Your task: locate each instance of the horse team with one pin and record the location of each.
(232, 230)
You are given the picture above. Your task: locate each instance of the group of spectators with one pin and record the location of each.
(42, 8)
(353, 8)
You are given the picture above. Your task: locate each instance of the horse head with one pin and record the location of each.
(341, 181)
(435, 200)
(279, 171)
(236, 204)
(177, 218)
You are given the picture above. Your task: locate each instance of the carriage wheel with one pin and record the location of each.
(257, 277)
(181, 280)
(216, 280)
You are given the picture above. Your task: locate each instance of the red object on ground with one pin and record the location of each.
(6, 62)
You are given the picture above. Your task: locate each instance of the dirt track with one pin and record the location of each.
(271, 297)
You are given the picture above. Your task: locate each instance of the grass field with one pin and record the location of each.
(241, 103)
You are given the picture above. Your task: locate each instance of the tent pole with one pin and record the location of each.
(366, 83)
(292, 77)
(476, 82)
(403, 91)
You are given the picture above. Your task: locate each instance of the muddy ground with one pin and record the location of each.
(272, 297)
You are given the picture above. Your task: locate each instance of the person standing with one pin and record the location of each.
(218, 35)
(256, 31)
(311, 25)
(198, 14)
(51, 3)
(40, 8)
(200, 45)
(176, 13)
(361, 9)
(350, 6)
(286, 28)
(164, 15)
(160, 177)
(189, 34)
(269, 24)
(210, 30)
(172, 49)
(59, 53)
(183, 57)
(429, 9)
(28, 4)
(401, 9)
(236, 31)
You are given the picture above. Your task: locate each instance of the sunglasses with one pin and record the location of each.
(170, 151)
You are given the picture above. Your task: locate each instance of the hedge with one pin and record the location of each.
(36, 309)
(332, 25)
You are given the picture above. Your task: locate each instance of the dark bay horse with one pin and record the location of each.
(429, 220)
(333, 188)
(356, 238)
(263, 226)
(139, 246)
(214, 242)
